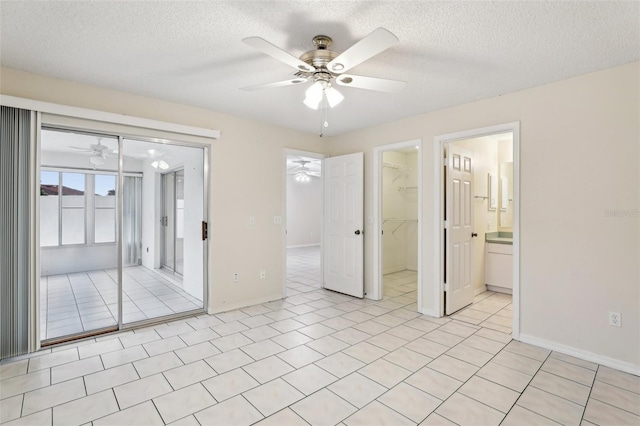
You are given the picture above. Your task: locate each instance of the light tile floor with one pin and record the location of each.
(317, 357)
(84, 301)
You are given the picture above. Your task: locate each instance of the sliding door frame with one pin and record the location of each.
(121, 136)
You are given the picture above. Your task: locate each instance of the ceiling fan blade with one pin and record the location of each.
(294, 81)
(81, 149)
(370, 83)
(376, 42)
(265, 47)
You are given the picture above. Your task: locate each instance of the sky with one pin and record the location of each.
(76, 181)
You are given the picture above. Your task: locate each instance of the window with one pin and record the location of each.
(105, 208)
(69, 216)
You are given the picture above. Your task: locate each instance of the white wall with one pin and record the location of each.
(579, 159)
(304, 212)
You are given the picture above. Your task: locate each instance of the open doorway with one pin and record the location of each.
(397, 197)
(304, 217)
(478, 213)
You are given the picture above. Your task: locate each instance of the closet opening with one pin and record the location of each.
(397, 199)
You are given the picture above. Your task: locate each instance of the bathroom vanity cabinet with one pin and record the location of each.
(499, 267)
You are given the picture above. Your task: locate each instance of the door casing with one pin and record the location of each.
(438, 224)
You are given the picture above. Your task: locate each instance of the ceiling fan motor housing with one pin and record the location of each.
(319, 58)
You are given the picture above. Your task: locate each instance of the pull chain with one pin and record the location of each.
(323, 115)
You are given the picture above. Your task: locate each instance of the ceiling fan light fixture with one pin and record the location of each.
(96, 159)
(333, 96)
(313, 95)
(302, 177)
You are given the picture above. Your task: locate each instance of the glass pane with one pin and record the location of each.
(171, 213)
(72, 226)
(49, 208)
(78, 278)
(105, 186)
(73, 212)
(105, 225)
(49, 211)
(105, 208)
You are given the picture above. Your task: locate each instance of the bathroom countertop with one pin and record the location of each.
(499, 237)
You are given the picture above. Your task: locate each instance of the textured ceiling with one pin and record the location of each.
(191, 52)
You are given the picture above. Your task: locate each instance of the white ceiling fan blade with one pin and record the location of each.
(294, 81)
(81, 149)
(376, 42)
(275, 52)
(370, 83)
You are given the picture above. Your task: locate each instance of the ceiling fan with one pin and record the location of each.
(301, 172)
(321, 66)
(99, 152)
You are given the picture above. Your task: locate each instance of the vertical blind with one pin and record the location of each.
(15, 259)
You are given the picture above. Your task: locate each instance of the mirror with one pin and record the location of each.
(493, 192)
(505, 194)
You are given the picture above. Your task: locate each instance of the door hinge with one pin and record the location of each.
(164, 221)
(446, 224)
(445, 287)
(205, 230)
(444, 162)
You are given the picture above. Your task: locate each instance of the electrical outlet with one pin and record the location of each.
(263, 274)
(615, 319)
(252, 220)
(277, 220)
(236, 277)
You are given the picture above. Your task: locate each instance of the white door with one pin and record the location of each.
(343, 224)
(459, 248)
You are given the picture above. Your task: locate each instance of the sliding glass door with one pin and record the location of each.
(170, 275)
(110, 257)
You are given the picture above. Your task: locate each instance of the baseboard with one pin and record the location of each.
(582, 354)
(498, 289)
(243, 304)
(480, 290)
(304, 245)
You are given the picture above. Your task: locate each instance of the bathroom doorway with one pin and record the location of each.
(478, 241)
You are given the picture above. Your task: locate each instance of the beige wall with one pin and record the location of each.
(247, 179)
(579, 157)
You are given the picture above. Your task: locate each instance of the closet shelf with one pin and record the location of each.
(480, 196)
(396, 166)
(404, 188)
(399, 222)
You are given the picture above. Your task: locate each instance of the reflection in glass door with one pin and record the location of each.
(173, 221)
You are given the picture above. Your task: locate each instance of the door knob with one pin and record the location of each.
(357, 232)
(474, 234)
